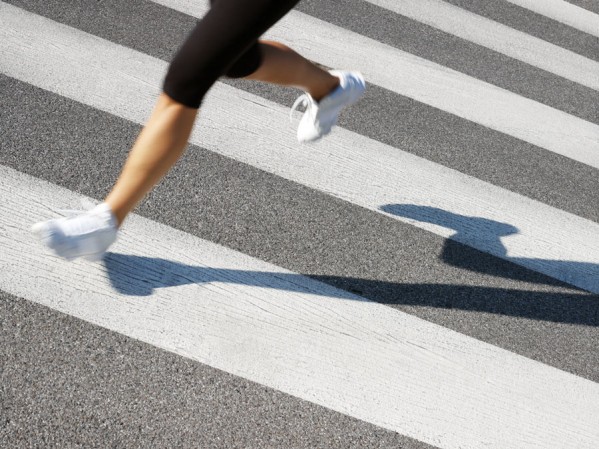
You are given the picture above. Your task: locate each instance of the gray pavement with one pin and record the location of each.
(534, 24)
(66, 382)
(590, 5)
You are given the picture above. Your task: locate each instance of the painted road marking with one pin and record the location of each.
(498, 37)
(433, 84)
(349, 166)
(565, 13)
(288, 332)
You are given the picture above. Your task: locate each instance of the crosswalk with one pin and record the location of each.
(427, 276)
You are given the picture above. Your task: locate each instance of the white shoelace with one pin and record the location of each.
(303, 100)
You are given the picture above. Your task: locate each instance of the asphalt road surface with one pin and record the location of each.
(425, 276)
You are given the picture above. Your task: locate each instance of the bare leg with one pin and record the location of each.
(157, 148)
(282, 65)
(164, 138)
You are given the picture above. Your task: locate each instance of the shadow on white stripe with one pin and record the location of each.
(347, 165)
(294, 334)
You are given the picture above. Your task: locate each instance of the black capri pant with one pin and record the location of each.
(224, 42)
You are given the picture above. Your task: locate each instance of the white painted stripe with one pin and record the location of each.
(498, 37)
(434, 84)
(355, 168)
(291, 333)
(564, 12)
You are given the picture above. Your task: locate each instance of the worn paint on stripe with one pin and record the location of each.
(349, 166)
(288, 332)
(498, 37)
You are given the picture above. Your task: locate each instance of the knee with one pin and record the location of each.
(180, 85)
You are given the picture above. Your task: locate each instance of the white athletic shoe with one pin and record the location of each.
(320, 117)
(87, 235)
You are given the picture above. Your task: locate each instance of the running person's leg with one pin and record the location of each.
(282, 65)
(223, 40)
(327, 93)
(275, 63)
(164, 138)
(223, 43)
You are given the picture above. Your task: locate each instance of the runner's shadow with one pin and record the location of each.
(141, 276)
(477, 232)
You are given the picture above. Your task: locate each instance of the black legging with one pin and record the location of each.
(224, 42)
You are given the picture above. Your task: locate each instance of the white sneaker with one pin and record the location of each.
(87, 235)
(320, 117)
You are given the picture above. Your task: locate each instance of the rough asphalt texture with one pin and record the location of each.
(66, 381)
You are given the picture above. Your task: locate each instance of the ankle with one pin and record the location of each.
(325, 90)
(119, 213)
